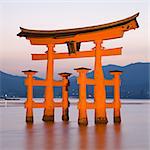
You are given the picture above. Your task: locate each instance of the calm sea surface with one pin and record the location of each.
(132, 134)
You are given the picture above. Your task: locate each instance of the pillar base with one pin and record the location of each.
(117, 119)
(101, 120)
(65, 116)
(83, 121)
(29, 119)
(48, 118)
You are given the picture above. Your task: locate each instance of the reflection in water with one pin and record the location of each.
(49, 136)
(118, 136)
(83, 138)
(100, 140)
(132, 133)
(61, 136)
(29, 138)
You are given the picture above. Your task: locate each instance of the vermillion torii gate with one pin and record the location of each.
(73, 39)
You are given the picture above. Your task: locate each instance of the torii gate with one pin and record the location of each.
(73, 38)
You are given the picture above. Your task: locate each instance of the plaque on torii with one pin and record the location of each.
(73, 38)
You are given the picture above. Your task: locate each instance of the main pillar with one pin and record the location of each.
(49, 103)
(99, 88)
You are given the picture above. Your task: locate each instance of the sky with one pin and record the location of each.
(15, 52)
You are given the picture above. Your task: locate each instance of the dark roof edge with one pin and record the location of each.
(35, 33)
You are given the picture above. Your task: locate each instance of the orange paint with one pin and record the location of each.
(117, 103)
(65, 103)
(91, 53)
(73, 38)
(29, 101)
(99, 88)
(49, 106)
(82, 119)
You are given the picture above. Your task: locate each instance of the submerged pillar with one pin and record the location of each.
(99, 87)
(29, 101)
(82, 119)
(117, 103)
(65, 102)
(49, 103)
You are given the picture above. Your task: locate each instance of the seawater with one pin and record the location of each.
(132, 134)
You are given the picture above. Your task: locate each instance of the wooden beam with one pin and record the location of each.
(109, 82)
(107, 34)
(110, 105)
(90, 53)
(38, 105)
(58, 104)
(45, 83)
(39, 56)
(90, 105)
(39, 82)
(35, 105)
(90, 81)
(74, 55)
(58, 83)
(111, 52)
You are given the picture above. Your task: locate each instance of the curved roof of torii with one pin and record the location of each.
(72, 32)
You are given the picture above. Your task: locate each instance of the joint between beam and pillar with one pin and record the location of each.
(58, 104)
(59, 83)
(109, 82)
(90, 81)
(110, 105)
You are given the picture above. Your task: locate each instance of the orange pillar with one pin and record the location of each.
(29, 101)
(117, 103)
(82, 119)
(49, 103)
(99, 88)
(65, 103)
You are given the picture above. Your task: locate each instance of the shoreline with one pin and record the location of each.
(17, 103)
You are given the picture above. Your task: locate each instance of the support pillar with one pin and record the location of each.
(65, 103)
(117, 103)
(29, 101)
(99, 88)
(49, 103)
(82, 119)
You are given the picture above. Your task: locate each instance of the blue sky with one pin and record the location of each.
(48, 15)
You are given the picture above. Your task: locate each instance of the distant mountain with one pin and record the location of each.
(11, 85)
(135, 83)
